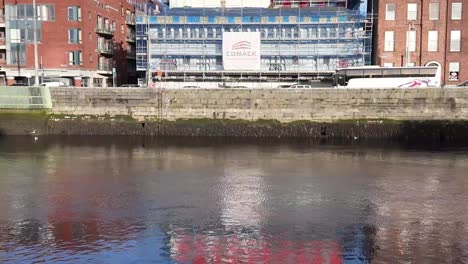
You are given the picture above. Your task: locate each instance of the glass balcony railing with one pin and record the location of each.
(107, 67)
(130, 37)
(105, 48)
(130, 19)
(104, 29)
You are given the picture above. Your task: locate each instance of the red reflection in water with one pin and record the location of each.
(200, 249)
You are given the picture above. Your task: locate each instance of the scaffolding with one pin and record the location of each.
(308, 3)
(296, 43)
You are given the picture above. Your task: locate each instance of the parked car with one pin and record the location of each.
(284, 86)
(224, 85)
(130, 86)
(301, 86)
(191, 86)
(463, 84)
(19, 84)
(52, 84)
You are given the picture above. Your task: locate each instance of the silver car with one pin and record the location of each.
(301, 86)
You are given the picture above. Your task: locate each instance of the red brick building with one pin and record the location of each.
(87, 43)
(424, 32)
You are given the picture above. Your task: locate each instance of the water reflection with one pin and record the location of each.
(136, 200)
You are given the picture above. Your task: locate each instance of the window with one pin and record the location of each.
(411, 38)
(122, 30)
(455, 40)
(456, 11)
(90, 36)
(114, 26)
(412, 11)
(25, 11)
(295, 60)
(45, 12)
(433, 41)
(30, 35)
(74, 35)
(90, 57)
(17, 54)
(390, 10)
(106, 22)
(389, 41)
(24, 35)
(433, 11)
(74, 13)
(74, 57)
(454, 70)
(15, 36)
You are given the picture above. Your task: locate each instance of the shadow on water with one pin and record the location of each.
(299, 144)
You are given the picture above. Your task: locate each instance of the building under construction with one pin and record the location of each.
(298, 39)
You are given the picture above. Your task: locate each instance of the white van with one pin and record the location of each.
(52, 84)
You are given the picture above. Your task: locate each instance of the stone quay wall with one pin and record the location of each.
(401, 114)
(283, 105)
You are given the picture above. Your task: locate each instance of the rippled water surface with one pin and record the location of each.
(137, 200)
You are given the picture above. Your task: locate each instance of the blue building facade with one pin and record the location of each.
(293, 40)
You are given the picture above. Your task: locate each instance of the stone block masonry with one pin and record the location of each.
(429, 114)
(283, 105)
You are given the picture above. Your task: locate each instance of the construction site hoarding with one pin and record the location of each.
(241, 51)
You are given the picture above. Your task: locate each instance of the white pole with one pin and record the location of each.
(407, 45)
(148, 42)
(36, 61)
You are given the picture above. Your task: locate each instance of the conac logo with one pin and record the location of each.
(242, 45)
(241, 49)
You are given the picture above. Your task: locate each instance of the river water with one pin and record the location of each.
(140, 200)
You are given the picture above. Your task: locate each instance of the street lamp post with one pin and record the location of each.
(36, 62)
(408, 35)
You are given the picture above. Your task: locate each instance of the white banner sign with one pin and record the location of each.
(241, 51)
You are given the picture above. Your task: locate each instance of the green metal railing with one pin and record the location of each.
(16, 97)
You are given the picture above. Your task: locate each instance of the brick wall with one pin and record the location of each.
(54, 46)
(422, 25)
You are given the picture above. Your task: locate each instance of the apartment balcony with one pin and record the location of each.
(105, 48)
(2, 21)
(130, 37)
(104, 29)
(105, 68)
(130, 20)
(2, 43)
(131, 55)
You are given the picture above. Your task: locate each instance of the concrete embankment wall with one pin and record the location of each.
(440, 114)
(284, 105)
